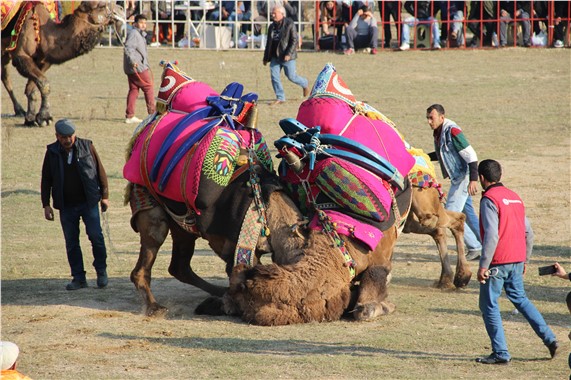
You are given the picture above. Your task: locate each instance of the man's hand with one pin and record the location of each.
(473, 187)
(48, 213)
(560, 272)
(265, 63)
(483, 275)
(104, 205)
(287, 58)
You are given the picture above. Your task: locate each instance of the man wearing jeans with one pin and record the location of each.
(459, 162)
(73, 175)
(281, 52)
(421, 12)
(507, 245)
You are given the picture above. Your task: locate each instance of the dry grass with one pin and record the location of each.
(514, 105)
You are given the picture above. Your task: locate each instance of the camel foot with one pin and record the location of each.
(156, 311)
(19, 112)
(444, 283)
(461, 280)
(366, 312)
(30, 123)
(210, 306)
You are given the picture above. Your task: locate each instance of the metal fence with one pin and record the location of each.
(208, 25)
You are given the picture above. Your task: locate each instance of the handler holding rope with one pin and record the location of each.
(136, 66)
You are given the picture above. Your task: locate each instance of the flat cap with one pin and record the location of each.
(65, 127)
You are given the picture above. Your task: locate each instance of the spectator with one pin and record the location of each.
(264, 7)
(136, 66)
(459, 162)
(561, 11)
(9, 353)
(483, 10)
(421, 11)
(362, 32)
(518, 11)
(163, 12)
(281, 52)
(330, 19)
(388, 9)
(452, 16)
(73, 175)
(507, 246)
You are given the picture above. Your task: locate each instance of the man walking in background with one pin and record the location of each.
(136, 66)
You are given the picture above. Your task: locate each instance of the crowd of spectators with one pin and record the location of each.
(399, 24)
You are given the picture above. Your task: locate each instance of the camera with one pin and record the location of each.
(544, 271)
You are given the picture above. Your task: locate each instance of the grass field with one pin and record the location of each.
(513, 104)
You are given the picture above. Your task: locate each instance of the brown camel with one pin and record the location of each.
(318, 288)
(154, 224)
(43, 42)
(429, 217)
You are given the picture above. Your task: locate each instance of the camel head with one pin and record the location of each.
(99, 13)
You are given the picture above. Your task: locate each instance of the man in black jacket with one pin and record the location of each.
(281, 52)
(73, 175)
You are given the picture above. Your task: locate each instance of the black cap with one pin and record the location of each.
(65, 127)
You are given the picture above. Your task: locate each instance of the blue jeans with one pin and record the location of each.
(411, 21)
(510, 278)
(69, 218)
(459, 200)
(289, 70)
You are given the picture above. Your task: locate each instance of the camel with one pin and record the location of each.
(42, 42)
(292, 246)
(318, 288)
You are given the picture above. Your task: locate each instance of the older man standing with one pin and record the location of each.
(281, 52)
(73, 175)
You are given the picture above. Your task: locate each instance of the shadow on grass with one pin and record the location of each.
(8, 193)
(120, 295)
(285, 347)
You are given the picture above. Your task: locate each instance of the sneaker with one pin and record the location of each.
(155, 44)
(492, 359)
(374, 51)
(132, 120)
(473, 255)
(558, 44)
(76, 284)
(102, 279)
(404, 46)
(553, 346)
(349, 51)
(436, 46)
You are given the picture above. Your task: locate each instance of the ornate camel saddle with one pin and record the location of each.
(345, 162)
(186, 154)
(14, 14)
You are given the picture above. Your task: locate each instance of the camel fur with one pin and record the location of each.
(43, 42)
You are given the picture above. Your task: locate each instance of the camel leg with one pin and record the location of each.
(456, 225)
(31, 92)
(153, 230)
(18, 109)
(373, 282)
(182, 252)
(439, 236)
(28, 69)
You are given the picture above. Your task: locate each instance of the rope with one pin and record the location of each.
(107, 232)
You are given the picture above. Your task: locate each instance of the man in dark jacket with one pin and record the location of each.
(281, 52)
(73, 175)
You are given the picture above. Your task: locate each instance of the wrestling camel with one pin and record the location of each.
(39, 42)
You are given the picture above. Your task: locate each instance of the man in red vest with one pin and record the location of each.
(507, 242)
